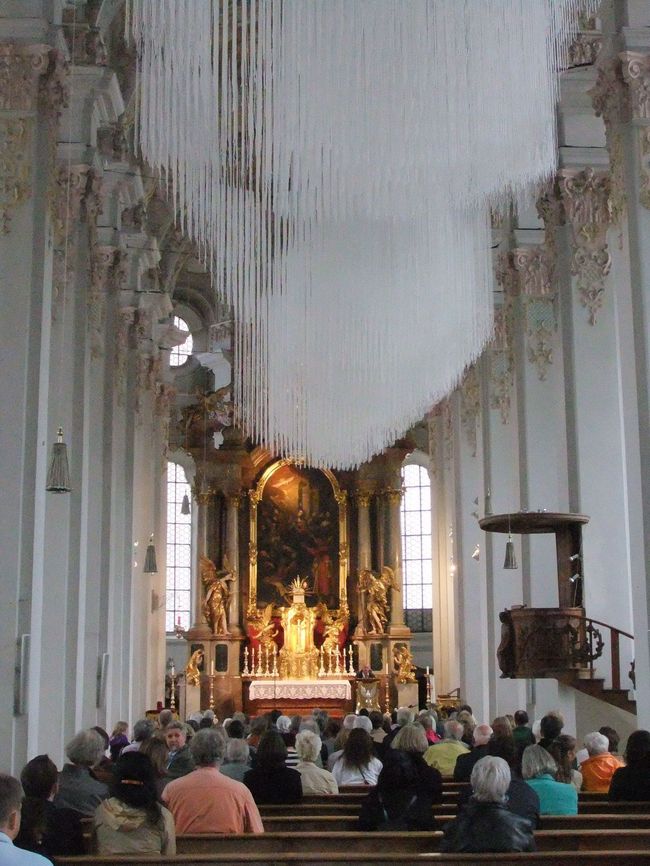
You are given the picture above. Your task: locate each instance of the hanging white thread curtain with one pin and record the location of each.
(336, 162)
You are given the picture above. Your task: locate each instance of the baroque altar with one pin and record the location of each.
(260, 636)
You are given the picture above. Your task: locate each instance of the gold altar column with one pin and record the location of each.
(200, 628)
(232, 552)
(363, 526)
(393, 501)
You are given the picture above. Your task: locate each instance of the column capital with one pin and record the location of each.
(636, 72)
(393, 495)
(362, 498)
(534, 265)
(586, 198)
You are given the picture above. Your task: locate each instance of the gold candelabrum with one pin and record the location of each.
(387, 693)
(172, 688)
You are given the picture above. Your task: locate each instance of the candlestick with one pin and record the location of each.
(321, 669)
(212, 690)
(330, 661)
(245, 672)
(172, 697)
(351, 671)
(338, 660)
(275, 659)
(387, 694)
(266, 660)
(259, 661)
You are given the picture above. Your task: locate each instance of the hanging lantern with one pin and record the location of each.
(150, 564)
(185, 504)
(510, 560)
(58, 475)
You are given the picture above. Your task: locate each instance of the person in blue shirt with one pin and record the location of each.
(11, 798)
(538, 768)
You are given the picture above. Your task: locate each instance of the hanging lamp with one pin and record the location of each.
(58, 475)
(150, 564)
(185, 504)
(510, 560)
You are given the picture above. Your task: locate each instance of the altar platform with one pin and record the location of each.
(298, 697)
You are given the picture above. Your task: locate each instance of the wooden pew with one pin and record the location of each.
(351, 807)
(349, 823)
(637, 857)
(400, 842)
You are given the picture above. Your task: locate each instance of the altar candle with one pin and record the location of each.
(427, 671)
(212, 668)
(173, 670)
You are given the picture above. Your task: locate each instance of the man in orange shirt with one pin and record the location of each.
(206, 801)
(600, 766)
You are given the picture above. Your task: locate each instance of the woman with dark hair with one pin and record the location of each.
(563, 749)
(156, 751)
(270, 780)
(44, 828)
(357, 765)
(632, 782)
(406, 789)
(132, 821)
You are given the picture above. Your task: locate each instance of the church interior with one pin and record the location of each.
(210, 505)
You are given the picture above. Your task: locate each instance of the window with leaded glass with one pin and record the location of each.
(179, 550)
(417, 569)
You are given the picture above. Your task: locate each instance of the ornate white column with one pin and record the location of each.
(232, 552)
(200, 628)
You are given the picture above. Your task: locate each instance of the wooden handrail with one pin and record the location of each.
(614, 645)
(606, 625)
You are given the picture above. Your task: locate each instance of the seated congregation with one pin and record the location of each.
(175, 780)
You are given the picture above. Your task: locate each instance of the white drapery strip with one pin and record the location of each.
(336, 161)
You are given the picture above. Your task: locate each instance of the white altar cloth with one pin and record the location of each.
(296, 690)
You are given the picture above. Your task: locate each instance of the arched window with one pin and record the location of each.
(417, 571)
(180, 354)
(179, 550)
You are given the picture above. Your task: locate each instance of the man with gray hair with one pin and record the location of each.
(486, 825)
(443, 755)
(600, 766)
(465, 763)
(143, 730)
(403, 716)
(78, 789)
(236, 763)
(11, 802)
(206, 801)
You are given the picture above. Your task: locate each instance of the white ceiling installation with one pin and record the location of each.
(336, 161)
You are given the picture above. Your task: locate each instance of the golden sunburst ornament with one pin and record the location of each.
(298, 585)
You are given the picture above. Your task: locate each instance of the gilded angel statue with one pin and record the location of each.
(262, 627)
(192, 672)
(403, 662)
(217, 594)
(374, 598)
(333, 624)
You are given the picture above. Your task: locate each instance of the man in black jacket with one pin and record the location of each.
(465, 763)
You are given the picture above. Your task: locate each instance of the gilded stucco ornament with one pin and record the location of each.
(635, 66)
(611, 100)
(586, 197)
(22, 69)
(536, 266)
(501, 360)
(470, 406)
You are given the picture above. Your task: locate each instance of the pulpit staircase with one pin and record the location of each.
(591, 648)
